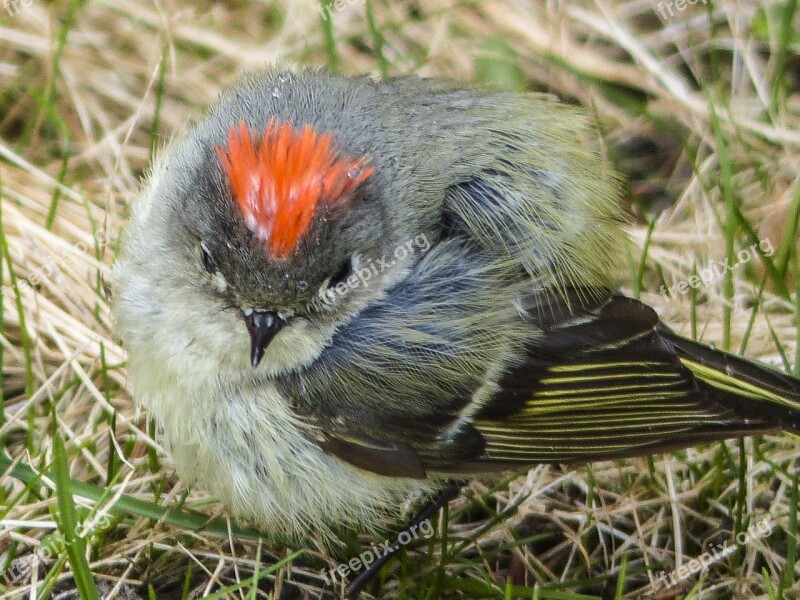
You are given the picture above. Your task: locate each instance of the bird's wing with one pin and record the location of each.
(600, 384)
(603, 380)
(610, 381)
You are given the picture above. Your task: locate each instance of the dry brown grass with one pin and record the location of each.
(87, 90)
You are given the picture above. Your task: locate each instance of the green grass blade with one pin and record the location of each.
(25, 338)
(68, 523)
(785, 36)
(326, 10)
(227, 592)
(136, 506)
(730, 224)
(377, 40)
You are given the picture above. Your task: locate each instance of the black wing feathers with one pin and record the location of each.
(601, 378)
(610, 381)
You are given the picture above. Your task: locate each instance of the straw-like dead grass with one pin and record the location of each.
(699, 109)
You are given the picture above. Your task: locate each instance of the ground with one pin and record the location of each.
(695, 102)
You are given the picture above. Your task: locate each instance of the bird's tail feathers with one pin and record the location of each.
(746, 387)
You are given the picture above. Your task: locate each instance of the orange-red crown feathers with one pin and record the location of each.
(279, 182)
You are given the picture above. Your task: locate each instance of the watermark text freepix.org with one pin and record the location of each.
(714, 554)
(14, 6)
(716, 270)
(21, 567)
(668, 8)
(364, 271)
(365, 559)
(326, 9)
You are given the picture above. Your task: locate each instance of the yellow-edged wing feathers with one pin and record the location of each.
(610, 381)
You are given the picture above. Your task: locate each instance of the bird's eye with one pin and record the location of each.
(208, 262)
(342, 274)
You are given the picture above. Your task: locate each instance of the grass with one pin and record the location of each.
(701, 114)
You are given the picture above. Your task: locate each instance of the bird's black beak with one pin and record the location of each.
(262, 325)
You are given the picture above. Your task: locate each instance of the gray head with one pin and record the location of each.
(278, 217)
(270, 211)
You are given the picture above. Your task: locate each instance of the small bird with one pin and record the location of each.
(337, 293)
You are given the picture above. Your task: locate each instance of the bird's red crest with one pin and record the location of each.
(279, 181)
